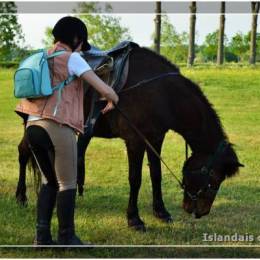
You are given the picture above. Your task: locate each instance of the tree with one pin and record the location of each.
(157, 20)
(10, 31)
(210, 46)
(191, 55)
(48, 39)
(181, 47)
(255, 6)
(173, 45)
(239, 45)
(105, 31)
(220, 57)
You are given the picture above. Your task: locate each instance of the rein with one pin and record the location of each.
(142, 82)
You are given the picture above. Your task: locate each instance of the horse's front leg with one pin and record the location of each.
(159, 209)
(135, 151)
(24, 155)
(83, 142)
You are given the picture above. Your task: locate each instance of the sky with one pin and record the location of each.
(141, 26)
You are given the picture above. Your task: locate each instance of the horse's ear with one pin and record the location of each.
(231, 163)
(240, 164)
(231, 167)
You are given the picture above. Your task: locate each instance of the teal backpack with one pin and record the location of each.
(32, 78)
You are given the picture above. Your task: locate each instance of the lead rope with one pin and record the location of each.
(148, 144)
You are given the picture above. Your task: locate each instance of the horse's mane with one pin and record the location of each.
(192, 87)
(163, 59)
(212, 114)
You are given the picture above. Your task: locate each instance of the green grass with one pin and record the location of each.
(100, 214)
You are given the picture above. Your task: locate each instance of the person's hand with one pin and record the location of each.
(110, 106)
(102, 88)
(116, 98)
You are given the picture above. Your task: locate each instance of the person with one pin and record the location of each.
(52, 138)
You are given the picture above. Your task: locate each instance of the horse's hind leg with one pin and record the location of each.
(83, 142)
(135, 152)
(24, 155)
(156, 177)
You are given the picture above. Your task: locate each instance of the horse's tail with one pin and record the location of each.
(34, 169)
(26, 161)
(32, 164)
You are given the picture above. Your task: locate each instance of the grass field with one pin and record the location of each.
(100, 214)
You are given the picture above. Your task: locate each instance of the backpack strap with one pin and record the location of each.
(59, 87)
(54, 54)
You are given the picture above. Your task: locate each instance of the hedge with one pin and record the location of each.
(9, 64)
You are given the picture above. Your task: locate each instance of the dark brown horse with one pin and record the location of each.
(170, 102)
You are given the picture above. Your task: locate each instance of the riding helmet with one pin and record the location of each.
(69, 27)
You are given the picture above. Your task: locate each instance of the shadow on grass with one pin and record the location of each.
(135, 253)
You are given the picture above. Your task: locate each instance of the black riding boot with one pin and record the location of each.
(45, 205)
(65, 212)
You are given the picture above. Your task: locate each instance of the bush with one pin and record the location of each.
(9, 64)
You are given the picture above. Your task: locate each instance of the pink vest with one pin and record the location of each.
(70, 109)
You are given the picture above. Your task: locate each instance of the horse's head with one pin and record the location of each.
(203, 175)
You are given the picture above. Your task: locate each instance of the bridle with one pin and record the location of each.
(207, 172)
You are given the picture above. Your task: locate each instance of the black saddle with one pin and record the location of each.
(112, 67)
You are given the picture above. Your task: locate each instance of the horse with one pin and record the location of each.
(157, 98)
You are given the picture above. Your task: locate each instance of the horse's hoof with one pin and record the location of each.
(139, 228)
(137, 224)
(80, 190)
(168, 219)
(22, 201)
(164, 216)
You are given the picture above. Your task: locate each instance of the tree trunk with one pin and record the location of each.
(255, 9)
(191, 54)
(157, 20)
(220, 57)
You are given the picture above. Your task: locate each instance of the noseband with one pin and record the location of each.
(206, 171)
